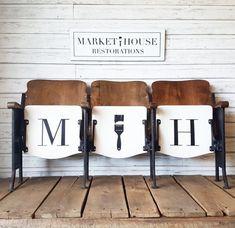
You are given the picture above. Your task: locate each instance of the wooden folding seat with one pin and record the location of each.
(187, 122)
(119, 118)
(49, 122)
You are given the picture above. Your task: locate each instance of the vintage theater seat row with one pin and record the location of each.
(57, 119)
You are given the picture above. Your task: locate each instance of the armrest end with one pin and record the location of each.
(85, 105)
(13, 105)
(152, 105)
(222, 104)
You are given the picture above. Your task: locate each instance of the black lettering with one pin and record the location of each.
(191, 132)
(49, 133)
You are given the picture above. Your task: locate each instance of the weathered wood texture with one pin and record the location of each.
(35, 44)
(100, 165)
(61, 56)
(154, 12)
(231, 180)
(66, 200)
(111, 201)
(60, 41)
(124, 223)
(172, 200)
(210, 197)
(106, 199)
(140, 202)
(55, 92)
(24, 201)
(191, 92)
(110, 93)
(117, 2)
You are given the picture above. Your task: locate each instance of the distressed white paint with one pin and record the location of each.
(173, 27)
(61, 41)
(34, 43)
(117, 2)
(173, 57)
(36, 11)
(184, 148)
(37, 135)
(154, 12)
(132, 130)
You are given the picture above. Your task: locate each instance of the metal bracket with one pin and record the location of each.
(93, 148)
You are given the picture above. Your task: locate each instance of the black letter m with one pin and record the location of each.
(51, 137)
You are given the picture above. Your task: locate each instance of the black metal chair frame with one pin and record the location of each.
(217, 142)
(19, 141)
(87, 135)
(91, 147)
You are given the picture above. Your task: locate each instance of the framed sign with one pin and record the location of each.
(118, 46)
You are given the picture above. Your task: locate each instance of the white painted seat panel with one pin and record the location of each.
(53, 130)
(200, 114)
(131, 126)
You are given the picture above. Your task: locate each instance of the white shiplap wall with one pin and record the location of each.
(34, 43)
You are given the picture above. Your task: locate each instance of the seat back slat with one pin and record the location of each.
(55, 92)
(191, 92)
(110, 93)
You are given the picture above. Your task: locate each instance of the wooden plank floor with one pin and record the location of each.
(119, 200)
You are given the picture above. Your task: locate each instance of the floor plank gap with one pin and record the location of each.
(140, 202)
(173, 201)
(211, 198)
(33, 215)
(220, 183)
(125, 195)
(86, 197)
(149, 188)
(4, 187)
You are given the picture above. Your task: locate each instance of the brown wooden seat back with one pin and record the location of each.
(191, 92)
(109, 93)
(55, 92)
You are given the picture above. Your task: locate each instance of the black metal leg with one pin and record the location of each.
(21, 170)
(85, 149)
(220, 142)
(223, 157)
(20, 176)
(216, 173)
(216, 166)
(153, 149)
(17, 124)
(226, 186)
(12, 181)
(153, 171)
(151, 164)
(88, 177)
(18, 143)
(85, 170)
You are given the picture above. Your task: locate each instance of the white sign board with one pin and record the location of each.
(52, 131)
(119, 132)
(118, 46)
(184, 130)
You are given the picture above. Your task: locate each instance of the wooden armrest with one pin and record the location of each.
(85, 105)
(152, 105)
(13, 105)
(222, 104)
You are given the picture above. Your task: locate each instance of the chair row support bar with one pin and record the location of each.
(219, 144)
